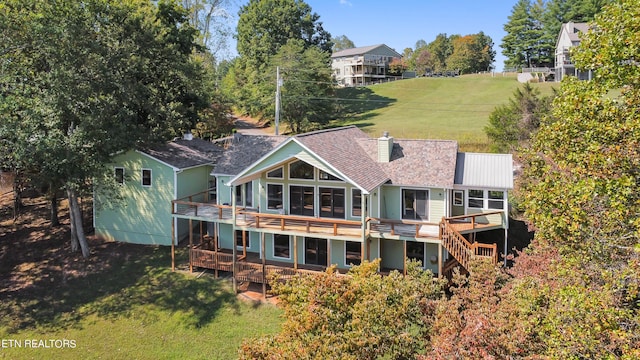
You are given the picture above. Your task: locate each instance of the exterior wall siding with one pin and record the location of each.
(143, 215)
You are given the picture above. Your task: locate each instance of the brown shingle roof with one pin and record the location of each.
(417, 162)
(244, 150)
(339, 148)
(184, 154)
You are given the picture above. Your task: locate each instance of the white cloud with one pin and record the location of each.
(346, 2)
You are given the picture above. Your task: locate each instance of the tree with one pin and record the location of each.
(307, 86)
(471, 53)
(212, 20)
(519, 43)
(342, 42)
(88, 80)
(512, 125)
(397, 66)
(263, 28)
(423, 61)
(360, 316)
(440, 48)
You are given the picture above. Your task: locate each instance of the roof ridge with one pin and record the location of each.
(325, 130)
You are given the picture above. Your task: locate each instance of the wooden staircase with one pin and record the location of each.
(462, 250)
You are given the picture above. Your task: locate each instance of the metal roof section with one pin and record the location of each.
(489, 171)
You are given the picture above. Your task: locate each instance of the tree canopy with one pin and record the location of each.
(342, 42)
(84, 81)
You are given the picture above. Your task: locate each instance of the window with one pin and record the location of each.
(245, 199)
(301, 200)
(275, 174)
(239, 235)
(326, 176)
(353, 253)
(458, 198)
(213, 190)
(146, 177)
(415, 251)
(119, 174)
(281, 246)
(315, 251)
(476, 199)
(331, 202)
(300, 170)
(274, 196)
(415, 204)
(356, 202)
(486, 199)
(496, 200)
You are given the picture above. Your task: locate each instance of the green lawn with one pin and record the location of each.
(133, 308)
(431, 108)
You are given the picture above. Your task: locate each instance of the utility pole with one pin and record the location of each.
(278, 84)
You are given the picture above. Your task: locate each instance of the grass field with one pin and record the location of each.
(124, 302)
(431, 108)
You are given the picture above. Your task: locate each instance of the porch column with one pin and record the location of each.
(506, 246)
(173, 242)
(216, 229)
(363, 219)
(329, 252)
(190, 244)
(233, 241)
(295, 252)
(404, 258)
(264, 266)
(440, 259)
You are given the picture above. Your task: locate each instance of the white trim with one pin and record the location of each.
(320, 201)
(454, 197)
(266, 205)
(402, 189)
(315, 208)
(300, 179)
(150, 177)
(344, 258)
(158, 160)
(274, 169)
(273, 247)
(352, 202)
(175, 196)
(115, 169)
(327, 180)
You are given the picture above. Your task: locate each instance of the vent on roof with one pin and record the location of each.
(385, 147)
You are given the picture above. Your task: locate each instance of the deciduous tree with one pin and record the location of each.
(342, 42)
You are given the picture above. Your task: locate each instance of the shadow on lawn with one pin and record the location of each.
(358, 104)
(43, 285)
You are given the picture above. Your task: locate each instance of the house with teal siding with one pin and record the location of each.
(148, 180)
(339, 197)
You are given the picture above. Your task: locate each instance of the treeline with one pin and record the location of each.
(463, 54)
(533, 28)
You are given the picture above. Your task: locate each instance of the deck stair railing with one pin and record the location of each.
(461, 249)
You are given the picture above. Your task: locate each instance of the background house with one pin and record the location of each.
(568, 38)
(147, 180)
(362, 65)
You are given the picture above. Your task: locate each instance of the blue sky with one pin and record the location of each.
(399, 24)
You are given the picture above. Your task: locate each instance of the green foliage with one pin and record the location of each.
(342, 42)
(84, 81)
(522, 35)
(441, 48)
(471, 53)
(359, 316)
(512, 125)
(263, 28)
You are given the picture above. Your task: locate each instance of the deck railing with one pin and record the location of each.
(461, 249)
(410, 228)
(306, 224)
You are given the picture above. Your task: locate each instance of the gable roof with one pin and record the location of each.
(183, 154)
(244, 150)
(417, 162)
(363, 50)
(572, 31)
(340, 148)
(484, 170)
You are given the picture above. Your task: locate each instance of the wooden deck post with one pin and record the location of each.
(440, 259)
(233, 244)
(173, 242)
(244, 243)
(363, 249)
(190, 244)
(295, 252)
(264, 266)
(216, 228)
(404, 258)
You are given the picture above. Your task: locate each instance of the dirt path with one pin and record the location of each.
(250, 126)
